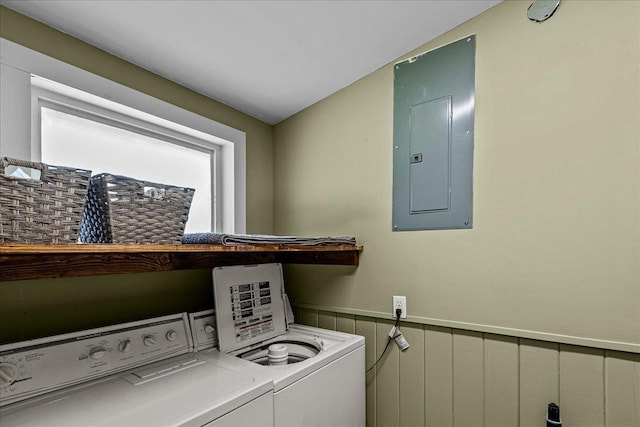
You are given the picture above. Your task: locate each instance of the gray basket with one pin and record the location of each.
(44, 210)
(120, 209)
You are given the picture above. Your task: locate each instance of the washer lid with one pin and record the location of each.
(250, 305)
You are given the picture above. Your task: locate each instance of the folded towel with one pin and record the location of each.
(263, 239)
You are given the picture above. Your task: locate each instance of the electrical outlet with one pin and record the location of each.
(401, 303)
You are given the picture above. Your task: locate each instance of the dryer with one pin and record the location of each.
(135, 374)
(318, 375)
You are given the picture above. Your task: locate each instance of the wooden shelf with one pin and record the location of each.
(36, 261)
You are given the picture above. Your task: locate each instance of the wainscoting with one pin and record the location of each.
(451, 377)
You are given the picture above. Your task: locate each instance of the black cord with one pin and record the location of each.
(398, 313)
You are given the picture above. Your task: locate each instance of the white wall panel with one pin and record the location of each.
(310, 317)
(582, 386)
(501, 364)
(366, 327)
(622, 385)
(327, 320)
(387, 378)
(438, 368)
(450, 377)
(411, 376)
(468, 379)
(346, 323)
(539, 380)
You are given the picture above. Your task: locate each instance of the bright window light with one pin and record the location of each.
(72, 140)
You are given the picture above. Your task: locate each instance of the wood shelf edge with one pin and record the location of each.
(81, 248)
(27, 261)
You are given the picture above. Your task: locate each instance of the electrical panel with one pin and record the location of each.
(433, 139)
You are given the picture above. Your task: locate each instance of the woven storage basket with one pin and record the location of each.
(120, 209)
(45, 210)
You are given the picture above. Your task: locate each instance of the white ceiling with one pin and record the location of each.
(269, 59)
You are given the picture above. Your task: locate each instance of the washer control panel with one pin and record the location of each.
(31, 368)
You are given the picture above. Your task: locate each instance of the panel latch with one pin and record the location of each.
(416, 158)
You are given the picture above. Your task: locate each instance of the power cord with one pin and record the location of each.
(398, 313)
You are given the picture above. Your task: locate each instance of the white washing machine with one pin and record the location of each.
(318, 375)
(135, 374)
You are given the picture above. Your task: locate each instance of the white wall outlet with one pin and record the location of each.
(401, 303)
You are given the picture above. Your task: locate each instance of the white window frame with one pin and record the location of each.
(53, 95)
(20, 134)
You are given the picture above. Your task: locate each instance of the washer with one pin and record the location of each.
(135, 374)
(318, 375)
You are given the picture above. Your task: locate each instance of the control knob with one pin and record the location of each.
(172, 335)
(8, 374)
(208, 328)
(149, 340)
(97, 353)
(125, 346)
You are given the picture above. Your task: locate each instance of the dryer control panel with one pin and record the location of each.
(203, 330)
(31, 368)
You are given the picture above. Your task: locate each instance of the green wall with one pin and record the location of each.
(555, 246)
(30, 309)
(555, 249)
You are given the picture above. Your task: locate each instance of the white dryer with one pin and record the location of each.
(318, 375)
(135, 374)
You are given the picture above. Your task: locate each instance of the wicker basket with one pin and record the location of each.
(120, 209)
(45, 210)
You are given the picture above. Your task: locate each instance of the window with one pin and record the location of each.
(83, 120)
(85, 135)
